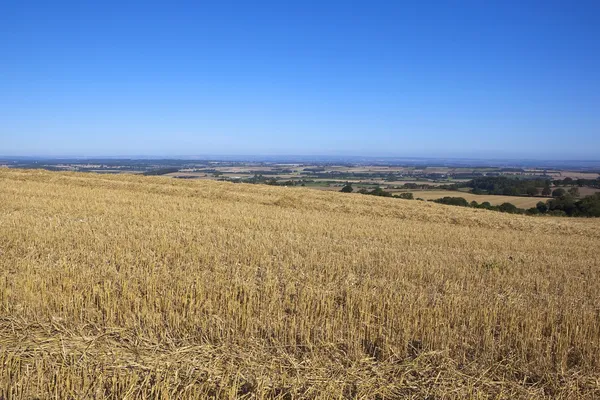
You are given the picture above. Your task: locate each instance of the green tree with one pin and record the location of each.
(453, 201)
(590, 205)
(559, 192)
(380, 192)
(546, 191)
(531, 191)
(542, 207)
(347, 189)
(407, 196)
(508, 208)
(563, 203)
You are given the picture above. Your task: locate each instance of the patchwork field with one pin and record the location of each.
(123, 286)
(521, 202)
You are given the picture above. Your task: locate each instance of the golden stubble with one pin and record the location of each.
(124, 286)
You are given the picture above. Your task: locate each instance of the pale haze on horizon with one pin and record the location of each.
(377, 78)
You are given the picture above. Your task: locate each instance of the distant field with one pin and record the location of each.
(576, 175)
(429, 183)
(583, 191)
(148, 287)
(521, 202)
(188, 174)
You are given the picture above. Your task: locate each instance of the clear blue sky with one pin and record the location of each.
(456, 78)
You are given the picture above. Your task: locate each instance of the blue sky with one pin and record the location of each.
(426, 78)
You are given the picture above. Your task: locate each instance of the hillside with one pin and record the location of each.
(126, 286)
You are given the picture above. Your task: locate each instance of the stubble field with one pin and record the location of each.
(519, 201)
(125, 286)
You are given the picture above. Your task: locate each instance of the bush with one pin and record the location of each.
(380, 192)
(541, 207)
(376, 192)
(453, 201)
(407, 196)
(347, 189)
(508, 208)
(557, 213)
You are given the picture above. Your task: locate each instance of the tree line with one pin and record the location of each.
(564, 204)
(378, 192)
(595, 183)
(502, 185)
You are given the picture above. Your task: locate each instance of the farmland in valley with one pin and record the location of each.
(126, 286)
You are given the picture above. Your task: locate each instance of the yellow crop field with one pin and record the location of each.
(127, 287)
(521, 202)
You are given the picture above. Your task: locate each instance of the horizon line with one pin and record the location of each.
(233, 157)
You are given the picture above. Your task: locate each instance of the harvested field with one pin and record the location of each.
(521, 202)
(583, 191)
(123, 286)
